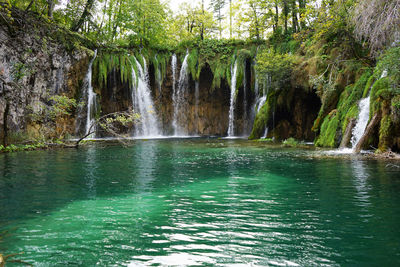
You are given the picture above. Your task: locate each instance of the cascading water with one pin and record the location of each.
(196, 97)
(231, 127)
(362, 121)
(245, 115)
(178, 99)
(261, 103)
(143, 103)
(265, 133)
(91, 100)
(173, 66)
(363, 118)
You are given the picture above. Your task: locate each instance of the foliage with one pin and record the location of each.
(291, 142)
(276, 66)
(115, 123)
(389, 62)
(15, 148)
(106, 62)
(58, 106)
(378, 22)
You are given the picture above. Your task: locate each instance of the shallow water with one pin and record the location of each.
(198, 202)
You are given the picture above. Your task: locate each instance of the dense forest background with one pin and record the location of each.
(341, 50)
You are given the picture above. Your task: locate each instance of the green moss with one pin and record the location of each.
(381, 84)
(219, 55)
(265, 140)
(396, 103)
(15, 148)
(368, 86)
(193, 63)
(348, 101)
(105, 62)
(385, 133)
(352, 113)
(262, 118)
(329, 131)
(291, 142)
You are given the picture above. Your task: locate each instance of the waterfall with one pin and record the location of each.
(178, 99)
(91, 100)
(261, 103)
(143, 103)
(196, 107)
(245, 116)
(173, 65)
(362, 121)
(363, 118)
(265, 133)
(231, 127)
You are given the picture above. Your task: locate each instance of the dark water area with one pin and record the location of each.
(198, 202)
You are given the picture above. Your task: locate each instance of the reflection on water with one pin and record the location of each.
(199, 202)
(145, 161)
(90, 172)
(361, 182)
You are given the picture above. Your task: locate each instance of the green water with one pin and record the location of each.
(198, 202)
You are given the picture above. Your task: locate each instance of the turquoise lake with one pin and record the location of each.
(198, 202)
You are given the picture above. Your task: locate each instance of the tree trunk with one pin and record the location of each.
(302, 7)
(50, 8)
(75, 27)
(30, 5)
(375, 120)
(202, 23)
(276, 15)
(295, 21)
(285, 14)
(348, 133)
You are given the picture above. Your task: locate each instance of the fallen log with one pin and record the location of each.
(375, 120)
(348, 133)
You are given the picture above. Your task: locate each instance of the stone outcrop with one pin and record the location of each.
(35, 65)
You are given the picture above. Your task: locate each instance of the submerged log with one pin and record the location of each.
(375, 120)
(348, 133)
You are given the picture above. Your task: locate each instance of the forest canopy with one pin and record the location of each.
(152, 22)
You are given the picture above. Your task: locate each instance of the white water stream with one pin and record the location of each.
(91, 100)
(143, 103)
(178, 97)
(231, 126)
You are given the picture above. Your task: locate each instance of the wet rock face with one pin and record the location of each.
(32, 69)
(207, 116)
(297, 121)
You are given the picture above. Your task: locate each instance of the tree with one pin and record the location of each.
(86, 12)
(217, 6)
(302, 11)
(255, 17)
(378, 22)
(112, 123)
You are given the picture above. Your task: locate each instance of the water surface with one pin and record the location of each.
(198, 202)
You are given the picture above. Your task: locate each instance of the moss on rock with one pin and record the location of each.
(329, 131)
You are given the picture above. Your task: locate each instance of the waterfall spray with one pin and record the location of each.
(91, 100)
(178, 99)
(231, 127)
(196, 96)
(143, 103)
